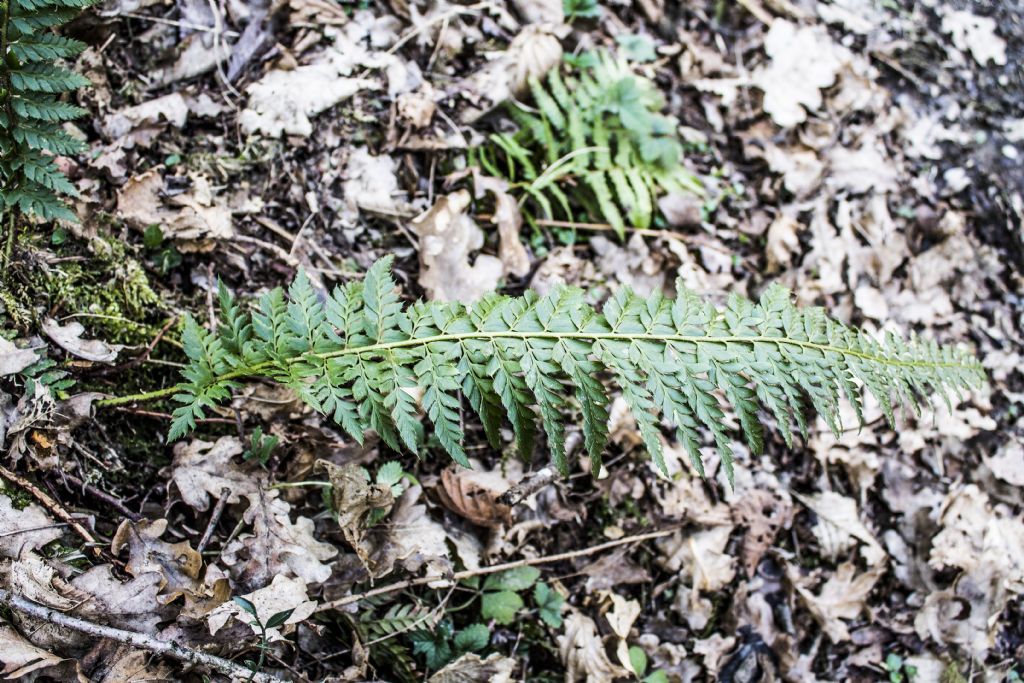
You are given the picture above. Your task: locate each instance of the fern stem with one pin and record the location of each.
(374, 349)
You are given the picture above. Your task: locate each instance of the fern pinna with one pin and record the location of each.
(31, 108)
(599, 137)
(361, 358)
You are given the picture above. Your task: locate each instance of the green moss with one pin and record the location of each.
(20, 499)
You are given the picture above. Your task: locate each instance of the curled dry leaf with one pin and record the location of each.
(842, 598)
(69, 338)
(283, 593)
(966, 615)
(473, 494)
(13, 359)
(612, 570)
(371, 184)
(839, 524)
(201, 469)
(26, 529)
(509, 220)
(583, 653)
(178, 563)
(276, 545)
(621, 617)
(353, 497)
(471, 668)
(447, 237)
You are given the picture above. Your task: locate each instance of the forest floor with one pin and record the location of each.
(866, 154)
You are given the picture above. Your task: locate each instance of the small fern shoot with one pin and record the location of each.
(601, 132)
(31, 108)
(360, 357)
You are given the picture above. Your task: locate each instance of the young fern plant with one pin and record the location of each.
(31, 108)
(599, 137)
(360, 357)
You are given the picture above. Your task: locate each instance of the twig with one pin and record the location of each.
(102, 495)
(528, 486)
(757, 10)
(167, 416)
(138, 360)
(218, 510)
(139, 640)
(58, 511)
(469, 573)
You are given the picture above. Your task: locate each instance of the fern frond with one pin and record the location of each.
(607, 122)
(30, 111)
(363, 359)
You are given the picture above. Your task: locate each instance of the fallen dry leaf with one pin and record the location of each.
(69, 338)
(413, 539)
(283, 593)
(803, 61)
(473, 494)
(353, 498)
(839, 524)
(582, 651)
(29, 528)
(471, 668)
(178, 563)
(509, 220)
(141, 124)
(276, 545)
(21, 658)
(764, 513)
(189, 216)
(975, 34)
(447, 237)
(700, 557)
(201, 470)
(783, 241)
(13, 359)
(842, 598)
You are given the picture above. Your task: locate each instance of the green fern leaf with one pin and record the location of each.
(679, 364)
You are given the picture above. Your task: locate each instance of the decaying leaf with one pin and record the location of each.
(276, 545)
(975, 34)
(763, 513)
(583, 653)
(178, 563)
(839, 524)
(371, 184)
(26, 529)
(13, 359)
(471, 668)
(840, 599)
(447, 237)
(281, 595)
(473, 494)
(201, 470)
(353, 497)
(69, 338)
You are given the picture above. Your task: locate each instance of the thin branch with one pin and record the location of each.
(58, 511)
(139, 640)
(493, 569)
(218, 510)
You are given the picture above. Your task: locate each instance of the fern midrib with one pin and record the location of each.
(640, 336)
(383, 347)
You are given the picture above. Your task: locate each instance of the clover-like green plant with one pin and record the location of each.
(31, 108)
(599, 136)
(363, 359)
